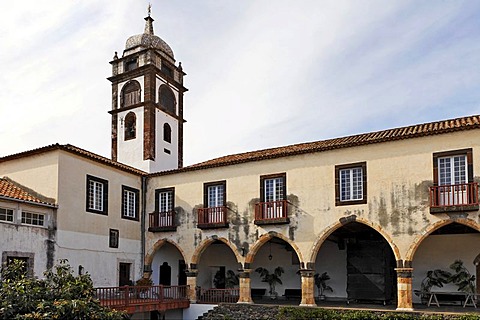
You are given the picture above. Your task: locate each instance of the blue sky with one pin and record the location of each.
(260, 73)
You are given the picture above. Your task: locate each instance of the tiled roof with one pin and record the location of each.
(409, 132)
(77, 151)
(9, 189)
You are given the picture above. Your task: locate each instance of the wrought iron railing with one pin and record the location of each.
(455, 195)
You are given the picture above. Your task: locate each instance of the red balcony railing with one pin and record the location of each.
(214, 217)
(271, 212)
(141, 297)
(218, 295)
(456, 195)
(162, 221)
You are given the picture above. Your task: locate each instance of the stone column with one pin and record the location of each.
(404, 289)
(192, 285)
(245, 292)
(308, 288)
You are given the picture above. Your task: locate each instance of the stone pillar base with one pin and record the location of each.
(308, 288)
(404, 289)
(404, 309)
(307, 305)
(244, 283)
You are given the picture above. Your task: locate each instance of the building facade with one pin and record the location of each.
(375, 211)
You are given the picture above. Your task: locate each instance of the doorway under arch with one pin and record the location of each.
(360, 263)
(168, 266)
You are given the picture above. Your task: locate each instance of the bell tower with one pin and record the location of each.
(147, 104)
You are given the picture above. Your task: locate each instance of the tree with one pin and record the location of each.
(60, 295)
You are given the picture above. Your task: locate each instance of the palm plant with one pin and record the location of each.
(462, 277)
(231, 279)
(321, 283)
(434, 278)
(271, 278)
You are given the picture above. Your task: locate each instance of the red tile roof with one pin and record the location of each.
(9, 189)
(409, 132)
(75, 150)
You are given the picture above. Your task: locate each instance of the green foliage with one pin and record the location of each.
(462, 277)
(271, 278)
(231, 279)
(60, 295)
(321, 283)
(291, 313)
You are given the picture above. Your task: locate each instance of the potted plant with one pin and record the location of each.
(434, 278)
(219, 279)
(271, 278)
(462, 277)
(231, 279)
(321, 283)
(144, 285)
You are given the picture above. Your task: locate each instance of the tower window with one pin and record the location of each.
(131, 64)
(130, 94)
(168, 71)
(130, 125)
(167, 99)
(167, 133)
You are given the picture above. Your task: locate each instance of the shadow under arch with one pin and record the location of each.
(264, 239)
(344, 221)
(160, 243)
(207, 242)
(431, 228)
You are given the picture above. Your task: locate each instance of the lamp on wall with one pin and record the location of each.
(270, 255)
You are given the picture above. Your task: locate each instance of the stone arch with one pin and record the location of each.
(207, 242)
(264, 238)
(343, 221)
(151, 253)
(431, 228)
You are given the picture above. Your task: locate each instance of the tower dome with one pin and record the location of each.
(148, 39)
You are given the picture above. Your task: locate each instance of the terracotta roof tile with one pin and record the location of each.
(9, 189)
(75, 150)
(409, 132)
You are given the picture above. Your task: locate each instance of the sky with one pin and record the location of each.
(260, 73)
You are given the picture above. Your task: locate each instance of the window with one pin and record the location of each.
(33, 219)
(273, 187)
(6, 215)
(130, 203)
(130, 94)
(167, 99)
(167, 70)
(215, 194)
(351, 184)
(164, 200)
(453, 179)
(97, 195)
(167, 133)
(273, 206)
(113, 238)
(131, 64)
(27, 258)
(130, 125)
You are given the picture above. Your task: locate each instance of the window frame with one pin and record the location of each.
(130, 129)
(113, 238)
(468, 153)
(6, 215)
(157, 198)
(350, 166)
(34, 216)
(166, 88)
(28, 256)
(264, 178)
(136, 206)
(206, 195)
(104, 210)
(167, 132)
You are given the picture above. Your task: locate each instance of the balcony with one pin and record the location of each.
(454, 198)
(162, 221)
(211, 218)
(273, 212)
(133, 299)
